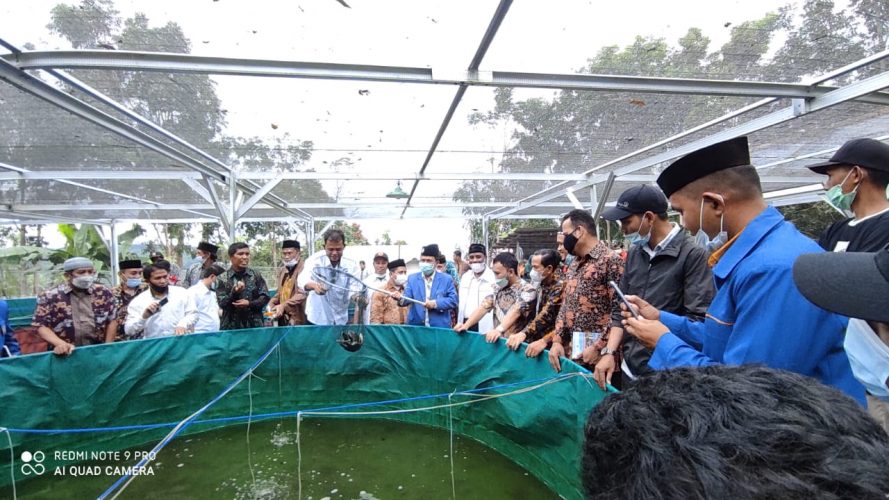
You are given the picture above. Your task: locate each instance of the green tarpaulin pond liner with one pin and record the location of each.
(113, 397)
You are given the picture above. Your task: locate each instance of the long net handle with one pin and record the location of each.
(387, 292)
(318, 277)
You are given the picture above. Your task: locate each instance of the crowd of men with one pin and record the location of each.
(732, 283)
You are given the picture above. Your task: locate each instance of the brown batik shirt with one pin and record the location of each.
(587, 298)
(545, 309)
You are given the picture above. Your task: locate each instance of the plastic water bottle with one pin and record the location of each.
(268, 316)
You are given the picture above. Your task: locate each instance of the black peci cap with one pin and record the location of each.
(430, 251)
(476, 248)
(206, 246)
(637, 200)
(290, 244)
(703, 162)
(130, 264)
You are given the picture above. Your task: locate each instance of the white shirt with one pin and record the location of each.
(332, 308)
(376, 282)
(178, 312)
(207, 308)
(427, 280)
(473, 291)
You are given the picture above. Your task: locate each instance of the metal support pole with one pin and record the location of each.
(485, 235)
(310, 235)
(115, 254)
(232, 207)
(594, 201)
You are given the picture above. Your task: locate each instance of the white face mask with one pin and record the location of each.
(536, 277)
(869, 357)
(703, 239)
(381, 276)
(83, 282)
(291, 262)
(477, 267)
(400, 279)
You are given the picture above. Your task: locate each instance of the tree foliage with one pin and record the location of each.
(186, 104)
(576, 131)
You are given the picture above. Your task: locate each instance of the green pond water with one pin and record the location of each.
(351, 459)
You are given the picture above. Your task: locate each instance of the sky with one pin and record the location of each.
(389, 128)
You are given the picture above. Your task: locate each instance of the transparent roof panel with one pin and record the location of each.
(377, 33)
(749, 40)
(337, 147)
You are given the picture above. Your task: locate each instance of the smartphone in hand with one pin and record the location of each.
(163, 302)
(626, 302)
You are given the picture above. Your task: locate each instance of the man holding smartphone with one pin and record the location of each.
(664, 267)
(161, 310)
(757, 315)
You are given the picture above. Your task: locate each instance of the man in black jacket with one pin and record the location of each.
(664, 265)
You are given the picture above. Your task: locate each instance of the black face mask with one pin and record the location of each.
(159, 290)
(570, 242)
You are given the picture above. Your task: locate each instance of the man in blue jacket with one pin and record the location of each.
(435, 289)
(758, 315)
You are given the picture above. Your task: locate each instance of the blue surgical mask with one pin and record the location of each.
(703, 239)
(869, 357)
(134, 282)
(502, 282)
(636, 238)
(427, 269)
(842, 201)
(214, 285)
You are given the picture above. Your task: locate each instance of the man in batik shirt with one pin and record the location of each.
(383, 309)
(77, 312)
(508, 295)
(587, 300)
(131, 284)
(546, 275)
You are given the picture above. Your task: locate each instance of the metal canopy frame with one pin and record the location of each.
(250, 192)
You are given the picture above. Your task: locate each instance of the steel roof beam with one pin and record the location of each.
(191, 177)
(250, 187)
(188, 63)
(487, 38)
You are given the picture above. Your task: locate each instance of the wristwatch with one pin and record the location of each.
(606, 350)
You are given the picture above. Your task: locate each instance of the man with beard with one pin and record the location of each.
(161, 310)
(289, 304)
(242, 292)
(77, 312)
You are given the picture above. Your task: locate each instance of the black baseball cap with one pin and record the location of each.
(637, 200)
(867, 153)
(854, 284)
